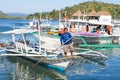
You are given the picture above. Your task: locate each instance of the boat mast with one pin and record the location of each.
(59, 18)
(39, 35)
(40, 16)
(65, 19)
(46, 19)
(84, 15)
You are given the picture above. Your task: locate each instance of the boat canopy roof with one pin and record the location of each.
(19, 31)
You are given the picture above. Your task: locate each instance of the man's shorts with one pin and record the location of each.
(67, 48)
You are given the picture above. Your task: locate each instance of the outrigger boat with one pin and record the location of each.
(22, 48)
(41, 54)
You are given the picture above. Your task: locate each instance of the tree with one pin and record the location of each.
(86, 6)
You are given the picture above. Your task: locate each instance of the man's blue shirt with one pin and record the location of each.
(66, 38)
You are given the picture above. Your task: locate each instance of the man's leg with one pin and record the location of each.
(65, 54)
(71, 49)
(71, 53)
(65, 50)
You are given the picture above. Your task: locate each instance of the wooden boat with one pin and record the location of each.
(23, 49)
(43, 55)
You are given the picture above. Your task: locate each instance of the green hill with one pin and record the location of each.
(85, 7)
(3, 15)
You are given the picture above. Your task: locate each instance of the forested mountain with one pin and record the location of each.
(86, 7)
(3, 15)
(17, 14)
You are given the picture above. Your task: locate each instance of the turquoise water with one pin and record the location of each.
(17, 68)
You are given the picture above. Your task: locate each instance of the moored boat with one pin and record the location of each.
(41, 54)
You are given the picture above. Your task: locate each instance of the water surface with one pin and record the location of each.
(18, 68)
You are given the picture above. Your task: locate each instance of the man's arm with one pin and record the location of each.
(70, 37)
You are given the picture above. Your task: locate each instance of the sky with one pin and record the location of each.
(32, 6)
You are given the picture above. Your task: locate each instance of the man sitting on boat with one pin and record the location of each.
(66, 41)
(72, 29)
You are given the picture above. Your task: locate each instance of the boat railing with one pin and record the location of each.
(22, 47)
(93, 20)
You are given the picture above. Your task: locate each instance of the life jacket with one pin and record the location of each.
(87, 29)
(60, 31)
(109, 29)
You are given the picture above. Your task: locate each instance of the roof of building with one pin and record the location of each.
(99, 13)
(77, 13)
(106, 13)
(93, 13)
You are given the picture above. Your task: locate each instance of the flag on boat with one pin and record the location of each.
(39, 25)
(66, 17)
